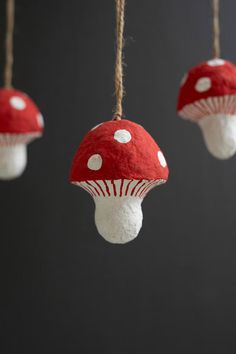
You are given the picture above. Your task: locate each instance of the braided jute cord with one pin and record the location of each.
(215, 29)
(10, 10)
(119, 89)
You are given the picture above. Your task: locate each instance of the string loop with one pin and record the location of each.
(119, 89)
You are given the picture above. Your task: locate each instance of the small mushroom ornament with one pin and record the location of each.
(118, 163)
(20, 123)
(207, 97)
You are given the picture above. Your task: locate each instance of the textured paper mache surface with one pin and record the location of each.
(20, 123)
(118, 163)
(207, 97)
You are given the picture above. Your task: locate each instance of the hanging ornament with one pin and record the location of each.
(118, 163)
(207, 97)
(20, 120)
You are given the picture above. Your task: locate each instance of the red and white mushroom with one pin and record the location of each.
(118, 163)
(208, 97)
(20, 123)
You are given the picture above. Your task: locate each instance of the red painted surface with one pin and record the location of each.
(223, 78)
(136, 159)
(14, 120)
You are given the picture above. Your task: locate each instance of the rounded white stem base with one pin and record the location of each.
(13, 160)
(118, 219)
(219, 132)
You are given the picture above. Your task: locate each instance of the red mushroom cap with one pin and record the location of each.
(19, 115)
(212, 79)
(118, 150)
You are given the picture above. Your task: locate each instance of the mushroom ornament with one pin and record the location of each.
(20, 123)
(207, 97)
(118, 163)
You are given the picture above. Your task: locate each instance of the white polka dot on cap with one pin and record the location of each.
(17, 103)
(161, 159)
(122, 136)
(96, 126)
(184, 79)
(95, 162)
(40, 120)
(216, 62)
(203, 84)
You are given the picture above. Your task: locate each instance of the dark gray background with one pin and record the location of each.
(63, 288)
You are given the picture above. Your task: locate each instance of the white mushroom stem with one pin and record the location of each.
(118, 219)
(219, 131)
(13, 159)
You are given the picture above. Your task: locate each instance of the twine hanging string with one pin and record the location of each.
(119, 89)
(215, 29)
(10, 10)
